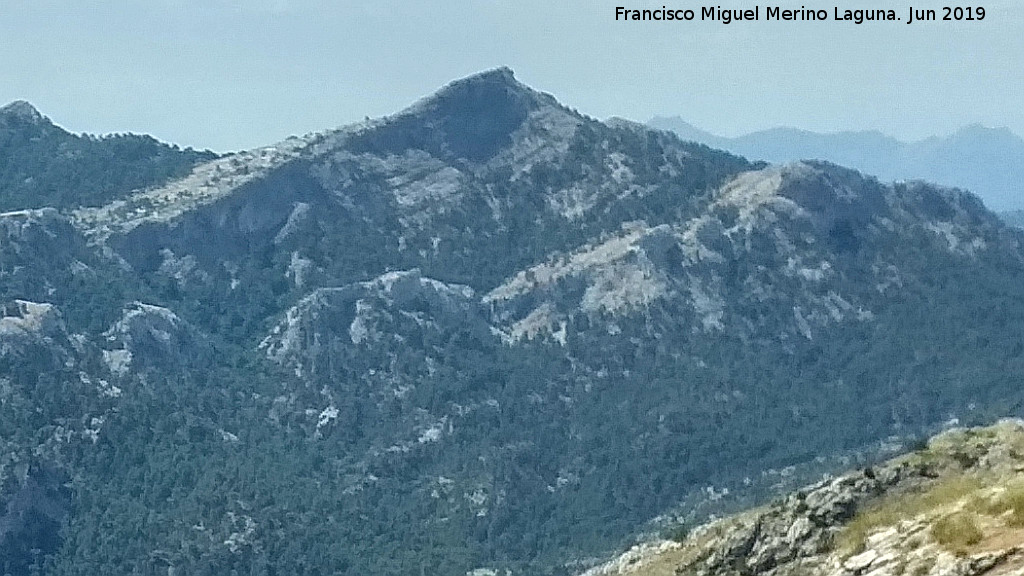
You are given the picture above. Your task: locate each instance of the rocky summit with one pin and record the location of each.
(485, 335)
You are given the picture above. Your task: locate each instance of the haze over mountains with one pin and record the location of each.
(486, 334)
(986, 161)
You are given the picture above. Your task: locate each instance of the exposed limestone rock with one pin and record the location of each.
(34, 333)
(208, 183)
(298, 215)
(590, 257)
(647, 557)
(299, 269)
(750, 193)
(153, 336)
(29, 318)
(955, 237)
(772, 216)
(540, 320)
(391, 306)
(118, 361)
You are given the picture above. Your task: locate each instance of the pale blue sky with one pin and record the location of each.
(230, 74)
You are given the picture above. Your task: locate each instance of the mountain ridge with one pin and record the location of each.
(432, 342)
(42, 164)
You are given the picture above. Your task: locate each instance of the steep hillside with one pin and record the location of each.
(953, 507)
(42, 164)
(485, 333)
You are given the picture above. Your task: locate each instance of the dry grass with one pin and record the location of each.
(665, 564)
(957, 531)
(1008, 504)
(890, 511)
(966, 513)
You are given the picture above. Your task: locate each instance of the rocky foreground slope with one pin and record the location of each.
(955, 507)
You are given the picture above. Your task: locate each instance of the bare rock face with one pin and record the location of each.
(397, 309)
(33, 336)
(30, 320)
(154, 337)
(803, 525)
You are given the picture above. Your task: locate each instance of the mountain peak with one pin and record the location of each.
(492, 89)
(23, 111)
(499, 74)
(496, 78)
(471, 118)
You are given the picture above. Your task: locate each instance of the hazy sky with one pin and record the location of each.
(230, 74)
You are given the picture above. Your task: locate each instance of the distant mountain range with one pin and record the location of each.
(986, 161)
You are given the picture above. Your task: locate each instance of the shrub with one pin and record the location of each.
(957, 531)
(1015, 502)
(1012, 501)
(677, 533)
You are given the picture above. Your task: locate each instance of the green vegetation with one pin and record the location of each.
(43, 165)
(677, 533)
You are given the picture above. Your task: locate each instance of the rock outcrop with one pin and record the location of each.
(148, 336)
(952, 508)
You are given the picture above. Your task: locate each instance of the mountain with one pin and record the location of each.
(953, 507)
(42, 164)
(484, 334)
(986, 161)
